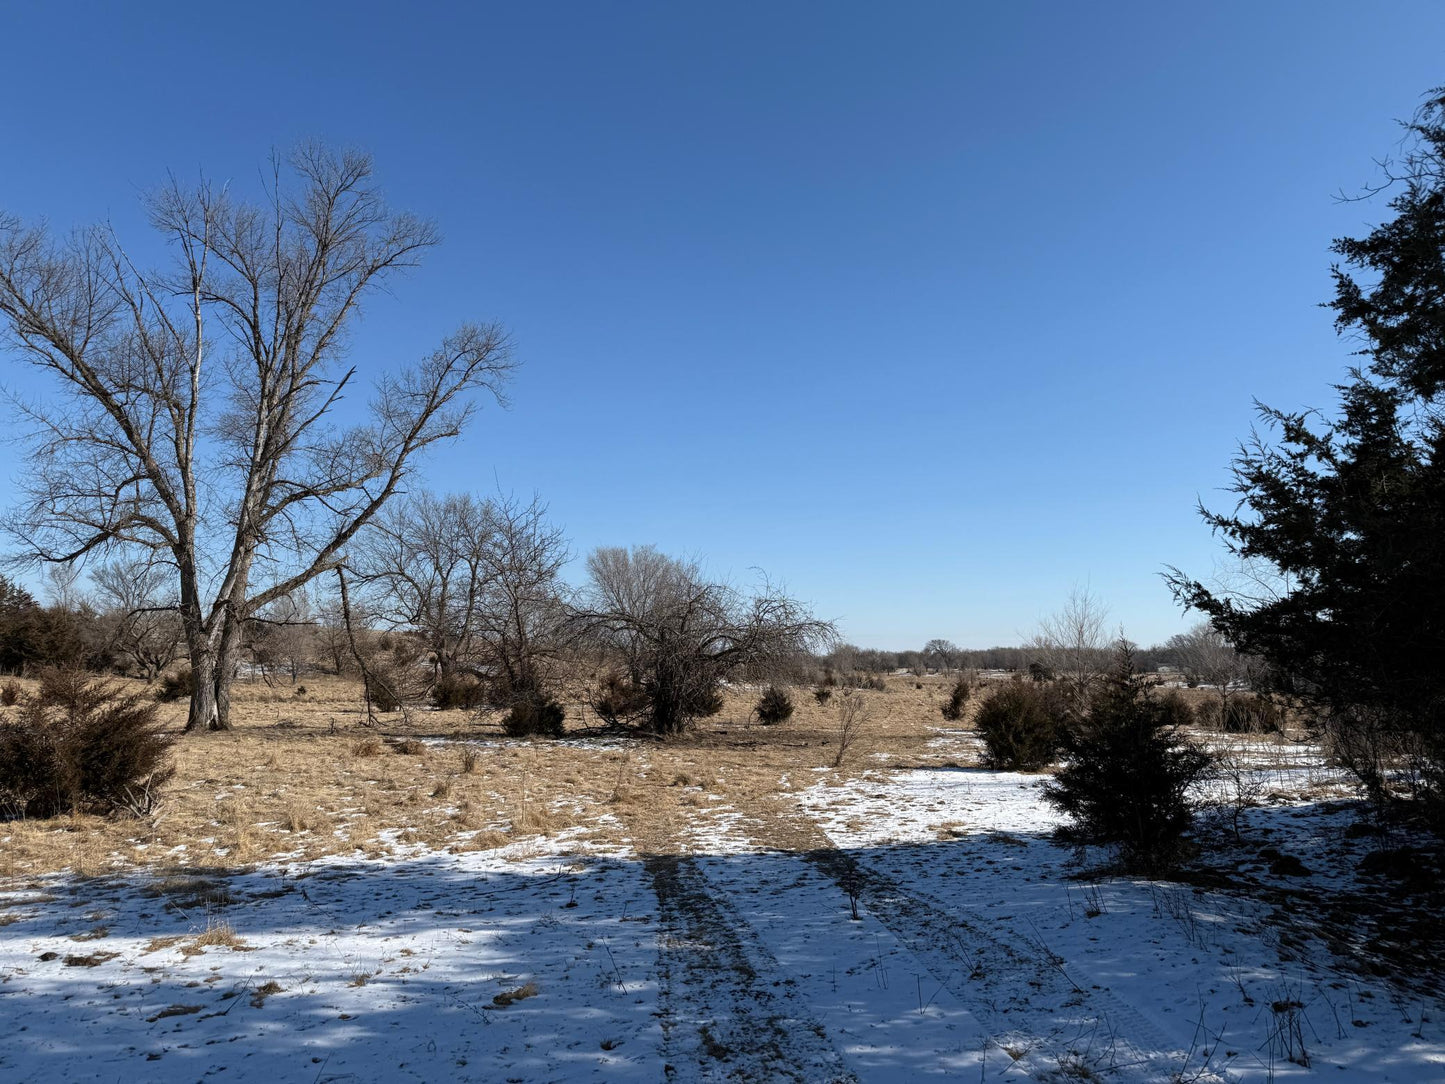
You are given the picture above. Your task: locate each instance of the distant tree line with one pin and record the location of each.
(1178, 652)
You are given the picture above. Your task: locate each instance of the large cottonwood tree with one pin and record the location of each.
(197, 410)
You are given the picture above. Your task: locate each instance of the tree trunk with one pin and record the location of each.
(203, 714)
(227, 655)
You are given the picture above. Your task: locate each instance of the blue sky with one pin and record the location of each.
(932, 311)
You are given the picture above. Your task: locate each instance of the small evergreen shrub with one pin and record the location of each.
(382, 688)
(775, 706)
(1127, 774)
(80, 745)
(703, 701)
(1021, 725)
(10, 694)
(952, 708)
(535, 716)
(458, 691)
(178, 686)
(616, 698)
(822, 694)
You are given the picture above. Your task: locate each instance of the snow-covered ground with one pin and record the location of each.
(940, 935)
(1133, 979)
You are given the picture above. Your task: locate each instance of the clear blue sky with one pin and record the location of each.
(930, 310)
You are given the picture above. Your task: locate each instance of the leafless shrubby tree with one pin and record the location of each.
(942, 655)
(332, 641)
(281, 638)
(478, 581)
(1208, 659)
(136, 596)
(422, 565)
(1074, 646)
(678, 634)
(854, 713)
(1235, 786)
(525, 616)
(195, 412)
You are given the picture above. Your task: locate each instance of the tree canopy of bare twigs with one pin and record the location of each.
(525, 616)
(478, 580)
(942, 655)
(197, 408)
(422, 568)
(1207, 658)
(1074, 646)
(137, 600)
(679, 634)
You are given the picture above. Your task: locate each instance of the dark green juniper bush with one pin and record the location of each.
(1347, 516)
(1127, 772)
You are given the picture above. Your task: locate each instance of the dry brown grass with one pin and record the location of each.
(300, 818)
(265, 990)
(94, 959)
(174, 1010)
(322, 785)
(520, 993)
(189, 890)
(217, 934)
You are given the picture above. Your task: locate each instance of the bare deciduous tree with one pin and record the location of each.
(1074, 646)
(423, 567)
(854, 714)
(1208, 659)
(283, 637)
(196, 412)
(680, 634)
(333, 642)
(524, 612)
(942, 655)
(137, 599)
(478, 580)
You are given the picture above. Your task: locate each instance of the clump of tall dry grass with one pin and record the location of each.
(217, 934)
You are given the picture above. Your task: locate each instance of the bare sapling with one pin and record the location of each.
(853, 713)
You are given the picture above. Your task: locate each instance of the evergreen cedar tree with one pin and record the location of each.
(1351, 512)
(1127, 772)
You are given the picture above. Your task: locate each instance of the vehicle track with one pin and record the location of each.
(708, 956)
(997, 978)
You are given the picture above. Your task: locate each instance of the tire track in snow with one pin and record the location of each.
(1001, 980)
(709, 958)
